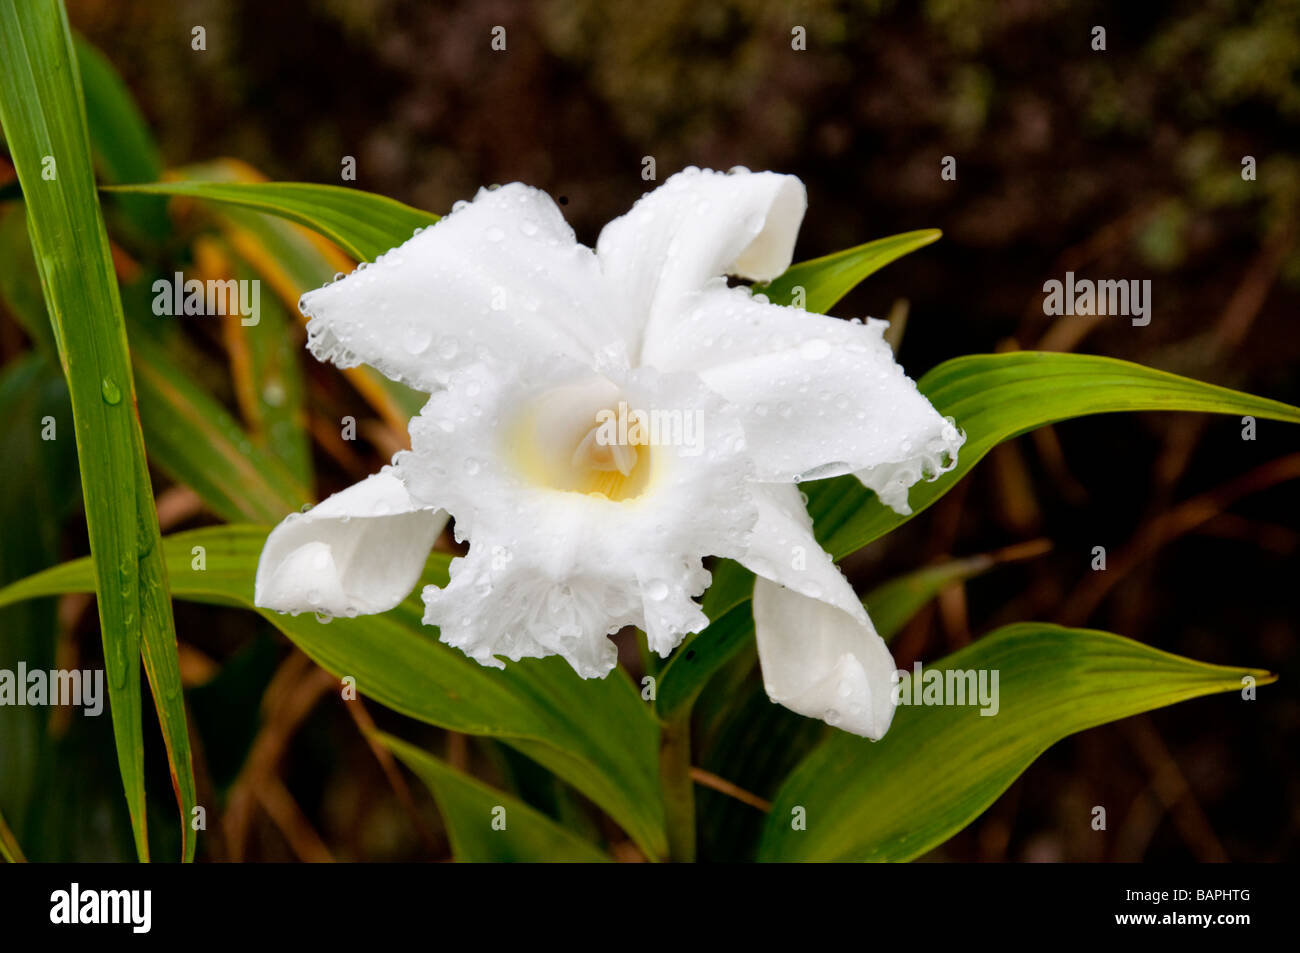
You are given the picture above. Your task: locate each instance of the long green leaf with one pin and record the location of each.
(489, 826)
(597, 734)
(43, 115)
(994, 397)
(939, 767)
(827, 279)
(363, 224)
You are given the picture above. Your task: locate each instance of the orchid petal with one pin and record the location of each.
(819, 653)
(821, 662)
(500, 276)
(697, 226)
(820, 396)
(361, 551)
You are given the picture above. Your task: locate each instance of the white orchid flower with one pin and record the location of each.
(532, 346)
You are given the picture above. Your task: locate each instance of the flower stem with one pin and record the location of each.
(678, 788)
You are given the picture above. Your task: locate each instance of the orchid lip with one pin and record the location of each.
(560, 442)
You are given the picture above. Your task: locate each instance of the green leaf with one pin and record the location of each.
(363, 224)
(828, 279)
(123, 146)
(469, 807)
(939, 767)
(994, 397)
(44, 121)
(596, 734)
(188, 434)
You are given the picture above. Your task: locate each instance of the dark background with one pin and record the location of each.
(1116, 164)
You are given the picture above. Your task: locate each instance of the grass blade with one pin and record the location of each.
(44, 121)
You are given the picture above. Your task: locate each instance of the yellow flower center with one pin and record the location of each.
(576, 438)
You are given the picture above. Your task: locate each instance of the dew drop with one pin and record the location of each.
(111, 393)
(417, 338)
(273, 393)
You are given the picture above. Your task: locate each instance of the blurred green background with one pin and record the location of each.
(1117, 164)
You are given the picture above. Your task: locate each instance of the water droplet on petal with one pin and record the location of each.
(417, 338)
